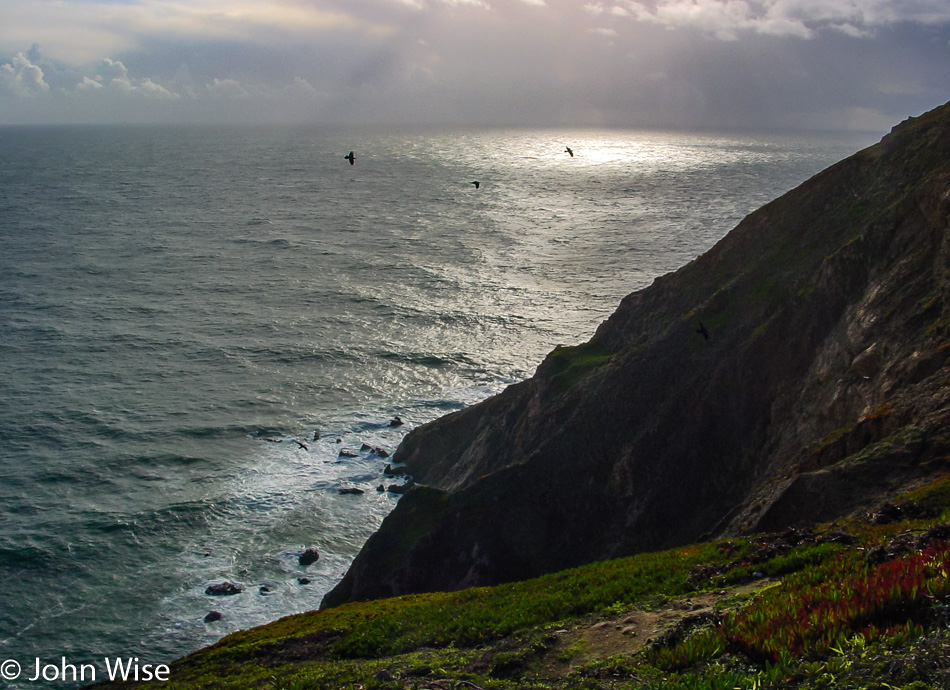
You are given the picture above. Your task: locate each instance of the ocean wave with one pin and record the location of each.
(445, 405)
(277, 242)
(168, 460)
(430, 360)
(292, 354)
(189, 514)
(25, 557)
(418, 359)
(220, 432)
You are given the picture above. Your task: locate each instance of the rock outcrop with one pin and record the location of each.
(821, 388)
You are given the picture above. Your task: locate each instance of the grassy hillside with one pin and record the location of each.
(858, 604)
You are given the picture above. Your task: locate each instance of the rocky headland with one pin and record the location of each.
(791, 375)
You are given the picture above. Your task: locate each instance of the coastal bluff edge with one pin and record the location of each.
(820, 389)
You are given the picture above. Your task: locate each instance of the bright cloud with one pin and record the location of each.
(21, 77)
(150, 89)
(88, 84)
(113, 75)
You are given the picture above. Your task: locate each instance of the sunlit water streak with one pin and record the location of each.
(170, 298)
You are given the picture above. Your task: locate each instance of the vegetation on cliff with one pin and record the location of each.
(863, 603)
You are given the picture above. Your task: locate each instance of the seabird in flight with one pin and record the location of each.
(567, 149)
(476, 183)
(702, 331)
(351, 157)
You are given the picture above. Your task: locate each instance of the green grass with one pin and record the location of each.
(832, 615)
(568, 365)
(935, 496)
(476, 616)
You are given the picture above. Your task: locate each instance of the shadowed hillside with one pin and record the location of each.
(820, 389)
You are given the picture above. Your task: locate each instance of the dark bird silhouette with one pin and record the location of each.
(702, 331)
(567, 149)
(351, 157)
(477, 184)
(302, 444)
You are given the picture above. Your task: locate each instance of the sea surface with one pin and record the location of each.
(194, 322)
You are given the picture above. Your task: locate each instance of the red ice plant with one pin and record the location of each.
(813, 611)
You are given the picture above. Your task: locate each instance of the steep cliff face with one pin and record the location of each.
(821, 388)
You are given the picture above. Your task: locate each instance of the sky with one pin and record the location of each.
(734, 65)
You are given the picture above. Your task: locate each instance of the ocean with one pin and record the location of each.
(195, 322)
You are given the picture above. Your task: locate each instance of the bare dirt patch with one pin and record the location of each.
(630, 632)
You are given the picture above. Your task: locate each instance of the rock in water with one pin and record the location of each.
(223, 589)
(309, 557)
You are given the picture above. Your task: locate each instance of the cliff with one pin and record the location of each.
(821, 388)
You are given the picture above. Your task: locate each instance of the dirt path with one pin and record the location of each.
(634, 629)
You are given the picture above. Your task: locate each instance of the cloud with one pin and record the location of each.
(112, 75)
(301, 88)
(88, 84)
(21, 77)
(587, 62)
(150, 89)
(301, 92)
(727, 19)
(77, 32)
(427, 4)
(722, 19)
(227, 88)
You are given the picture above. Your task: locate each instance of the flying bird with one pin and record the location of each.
(702, 330)
(351, 157)
(476, 183)
(567, 149)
